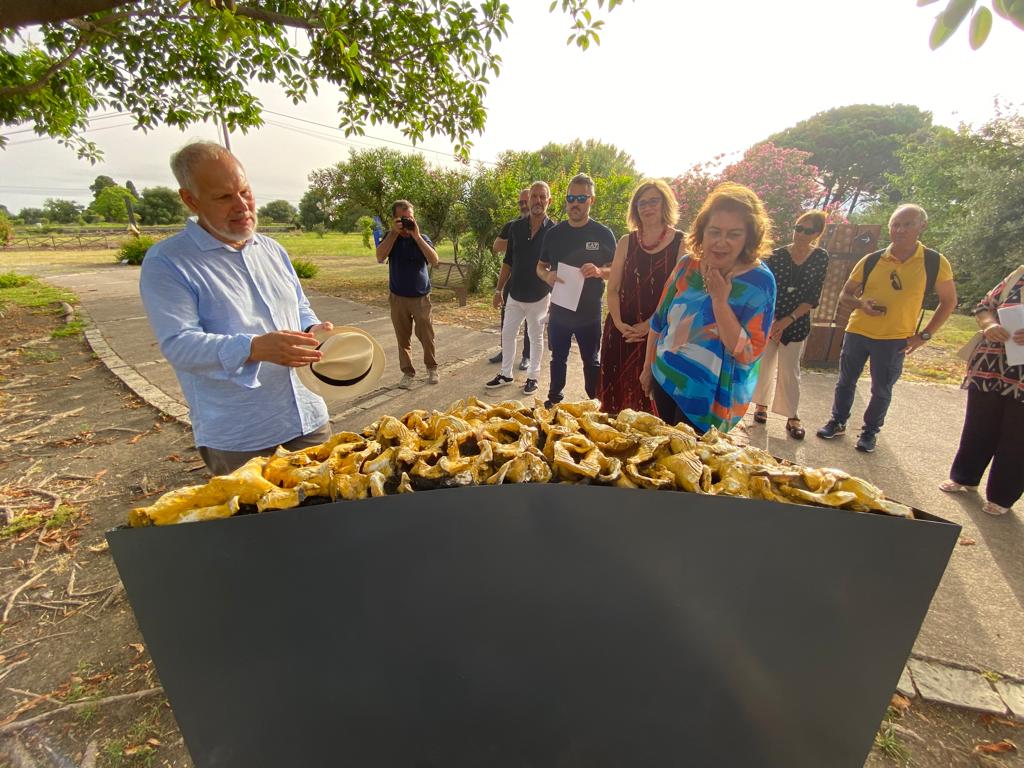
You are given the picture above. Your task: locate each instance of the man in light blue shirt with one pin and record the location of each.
(232, 319)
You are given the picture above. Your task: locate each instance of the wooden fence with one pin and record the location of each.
(88, 239)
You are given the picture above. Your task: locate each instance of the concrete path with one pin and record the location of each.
(977, 617)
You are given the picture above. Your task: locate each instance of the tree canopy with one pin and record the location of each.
(423, 67)
(279, 211)
(971, 182)
(160, 205)
(854, 148)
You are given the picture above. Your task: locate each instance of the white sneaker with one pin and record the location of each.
(433, 377)
(406, 382)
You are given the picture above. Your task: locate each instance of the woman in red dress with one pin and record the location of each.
(643, 261)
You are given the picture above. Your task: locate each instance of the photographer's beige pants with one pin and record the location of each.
(407, 313)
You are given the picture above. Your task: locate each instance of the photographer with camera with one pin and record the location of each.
(408, 253)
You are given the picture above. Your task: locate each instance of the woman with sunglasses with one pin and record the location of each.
(712, 322)
(643, 261)
(799, 270)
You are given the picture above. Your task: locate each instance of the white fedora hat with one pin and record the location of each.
(352, 363)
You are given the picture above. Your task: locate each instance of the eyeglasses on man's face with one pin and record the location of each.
(576, 198)
(649, 202)
(805, 230)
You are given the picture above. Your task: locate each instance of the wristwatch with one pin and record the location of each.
(925, 336)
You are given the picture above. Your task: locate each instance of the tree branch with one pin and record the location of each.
(27, 88)
(272, 17)
(21, 13)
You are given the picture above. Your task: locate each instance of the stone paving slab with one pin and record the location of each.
(1012, 692)
(959, 687)
(905, 687)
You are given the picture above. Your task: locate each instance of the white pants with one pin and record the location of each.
(785, 358)
(535, 313)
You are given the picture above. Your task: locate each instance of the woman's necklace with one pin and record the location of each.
(658, 239)
(801, 257)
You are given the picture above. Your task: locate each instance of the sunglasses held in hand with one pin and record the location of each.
(576, 198)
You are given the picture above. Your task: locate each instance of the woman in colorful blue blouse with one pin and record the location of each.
(712, 322)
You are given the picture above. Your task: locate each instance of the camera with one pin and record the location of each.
(408, 223)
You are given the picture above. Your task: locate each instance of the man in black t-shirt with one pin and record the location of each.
(582, 244)
(528, 295)
(408, 253)
(500, 246)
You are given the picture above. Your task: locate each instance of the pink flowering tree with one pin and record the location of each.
(691, 188)
(781, 177)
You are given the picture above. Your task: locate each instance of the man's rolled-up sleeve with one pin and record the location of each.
(171, 307)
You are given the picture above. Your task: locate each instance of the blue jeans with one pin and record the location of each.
(886, 356)
(588, 337)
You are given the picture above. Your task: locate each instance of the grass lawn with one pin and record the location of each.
(348, 269)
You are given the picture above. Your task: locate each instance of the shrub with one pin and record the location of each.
(364, 225)
(6, 230)
(305, 269)
(134, 250)
(13, 280)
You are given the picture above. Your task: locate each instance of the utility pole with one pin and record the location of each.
(227, 136)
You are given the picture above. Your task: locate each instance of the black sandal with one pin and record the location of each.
(761, 417)
(795, 429)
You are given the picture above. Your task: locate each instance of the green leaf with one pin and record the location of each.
(956, 11)
(940, 33)
(981, 25)
(923, 3)
(999, 6)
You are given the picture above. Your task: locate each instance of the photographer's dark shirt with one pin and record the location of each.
(407, 268)
(592, 243)
(521, 255)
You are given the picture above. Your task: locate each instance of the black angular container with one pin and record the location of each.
(530, 626)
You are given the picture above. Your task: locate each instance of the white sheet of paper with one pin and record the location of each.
(567, 292)
(1012, 319)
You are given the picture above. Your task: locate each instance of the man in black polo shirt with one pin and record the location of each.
(408, 252)
(583, 244)
(528, 295)
(500, 246)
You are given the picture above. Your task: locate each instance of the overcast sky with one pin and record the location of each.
(673, 83)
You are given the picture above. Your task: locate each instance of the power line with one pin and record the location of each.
(91, 120)
(50, 138)
(375, 138)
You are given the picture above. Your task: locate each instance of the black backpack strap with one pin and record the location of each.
(931, 270)
(931, 274)
(869, 264)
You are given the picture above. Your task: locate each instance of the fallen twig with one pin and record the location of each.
(117, 590)
(53, 497)
(7, 651)
(18, 590)
(117, 429)
(50, 421)
(12, 666)
(18, 725)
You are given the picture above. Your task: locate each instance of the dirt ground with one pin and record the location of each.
(77, 688)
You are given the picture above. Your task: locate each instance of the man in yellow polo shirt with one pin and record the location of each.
(883, 324)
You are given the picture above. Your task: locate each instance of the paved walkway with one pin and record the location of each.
(976, 620)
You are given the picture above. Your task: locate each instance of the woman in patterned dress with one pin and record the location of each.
(993, 430)
(799, 270)
(643, 261)
(712, 322)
